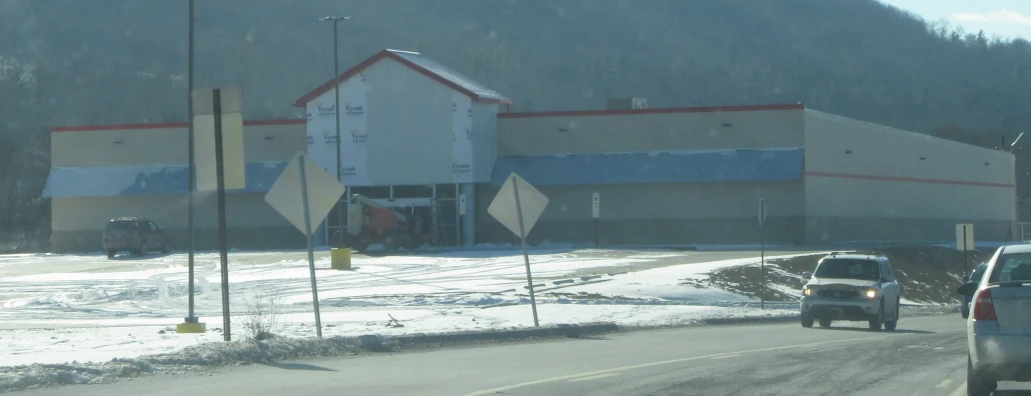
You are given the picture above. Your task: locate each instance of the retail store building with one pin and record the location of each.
(417, 135)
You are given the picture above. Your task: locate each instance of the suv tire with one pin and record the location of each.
(875, 324)
(807, 320)
(825, 322)
(142, 250)
(892, 324)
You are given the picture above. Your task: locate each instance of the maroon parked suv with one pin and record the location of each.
(134, 235)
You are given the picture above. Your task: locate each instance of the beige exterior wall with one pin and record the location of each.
(681, 213)
(883, 190)
(621, 132)
(140, 146)
(251, 222)
(269, 143)
(78, 222)
(168, 211)
(165, 144)
(673, 201)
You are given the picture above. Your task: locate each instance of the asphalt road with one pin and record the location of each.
(924, 357)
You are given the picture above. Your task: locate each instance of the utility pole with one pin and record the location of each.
(336, 111)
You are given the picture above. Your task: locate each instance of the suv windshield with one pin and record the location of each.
(848, 269)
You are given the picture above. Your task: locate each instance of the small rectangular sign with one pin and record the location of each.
(964, 237)
(596, 205)
(233, 166)
(204, 100)
(762, 211)
(461, 204)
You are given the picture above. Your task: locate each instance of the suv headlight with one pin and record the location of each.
(870, 293)
(807, 291)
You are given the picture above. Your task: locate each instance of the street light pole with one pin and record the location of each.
(191, 318)
(336, 111)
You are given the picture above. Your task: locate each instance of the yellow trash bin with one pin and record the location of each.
(340, 259)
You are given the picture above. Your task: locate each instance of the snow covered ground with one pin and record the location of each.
(63, 308)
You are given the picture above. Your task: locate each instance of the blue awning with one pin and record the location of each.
(736, 165)
(144, 180)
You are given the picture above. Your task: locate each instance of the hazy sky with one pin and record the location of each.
(1006, 18)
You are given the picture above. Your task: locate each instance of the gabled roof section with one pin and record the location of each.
(416, 61)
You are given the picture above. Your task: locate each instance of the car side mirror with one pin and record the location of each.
(807, 275)
(967, 289)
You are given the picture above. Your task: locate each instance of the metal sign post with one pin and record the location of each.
(218, 164)
(517, 206)
(311, 248)
(965, 242)
(762, 253)
(596, 212)
(223, 243)
(320, 192)
(526, 255)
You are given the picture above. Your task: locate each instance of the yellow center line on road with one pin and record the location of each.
(962, 390)
(594, 377)
(665, 362)
(727, 356)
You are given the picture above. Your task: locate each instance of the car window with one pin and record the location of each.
(119, 226)
(848, 269)
(978, 273)
(1012, 267)
(153, 227)
(889, 273)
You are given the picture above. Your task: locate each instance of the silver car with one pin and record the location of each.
(999, 327)
(851, 287)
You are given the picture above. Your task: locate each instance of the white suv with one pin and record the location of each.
(999, 327)
(855, 287)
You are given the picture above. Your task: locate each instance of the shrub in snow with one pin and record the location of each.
(263, 320)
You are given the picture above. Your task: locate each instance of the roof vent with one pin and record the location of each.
(626, 104)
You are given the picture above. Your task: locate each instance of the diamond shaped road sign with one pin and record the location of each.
(323, 192)
(531, 201)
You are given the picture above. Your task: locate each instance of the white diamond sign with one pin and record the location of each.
(531, 203)
(518, 206)
(286, 196)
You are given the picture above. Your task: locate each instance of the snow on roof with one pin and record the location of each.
(419, 63)
(96, 181)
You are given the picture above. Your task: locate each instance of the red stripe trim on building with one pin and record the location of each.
(667, 110)
(906, 179)
(120, 127)
(295, 121)
(166, 125)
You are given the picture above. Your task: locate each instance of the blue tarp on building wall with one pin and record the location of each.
(735, 165)
(145, 180)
